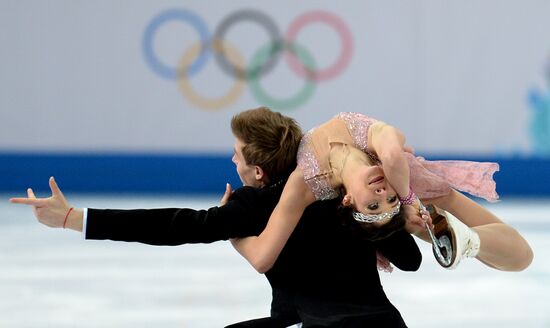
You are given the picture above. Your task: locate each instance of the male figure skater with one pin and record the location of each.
(327, 273)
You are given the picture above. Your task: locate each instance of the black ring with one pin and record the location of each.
(256, 17)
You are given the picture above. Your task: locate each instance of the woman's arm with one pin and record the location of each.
(388, 144)
(262, 251)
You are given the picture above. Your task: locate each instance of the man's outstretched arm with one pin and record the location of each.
(54, 211)
(242, 216)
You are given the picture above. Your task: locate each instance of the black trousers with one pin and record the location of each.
(259, 323)
(386, 320)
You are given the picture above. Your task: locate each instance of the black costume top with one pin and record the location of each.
(325, 276)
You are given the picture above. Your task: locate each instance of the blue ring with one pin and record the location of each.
(160, 68)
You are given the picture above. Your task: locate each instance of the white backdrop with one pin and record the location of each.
(454, 76)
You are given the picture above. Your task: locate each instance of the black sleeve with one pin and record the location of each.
(401, 249)
(176, 226)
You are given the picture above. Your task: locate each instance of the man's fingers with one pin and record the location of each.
(55, 189)
(226, 194)
(30, 193)
(28, 201)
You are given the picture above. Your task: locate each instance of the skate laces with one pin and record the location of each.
(472, 244)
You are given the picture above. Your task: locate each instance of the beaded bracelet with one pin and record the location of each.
(410, 199)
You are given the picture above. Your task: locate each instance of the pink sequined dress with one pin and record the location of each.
(428, 179)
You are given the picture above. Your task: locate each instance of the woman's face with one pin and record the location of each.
(371, 194)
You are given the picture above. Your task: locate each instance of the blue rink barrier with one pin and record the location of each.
(192, 173)
(116, 173)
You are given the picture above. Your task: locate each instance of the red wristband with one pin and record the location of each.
(66, 217)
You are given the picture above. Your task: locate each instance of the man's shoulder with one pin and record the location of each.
(260, 195)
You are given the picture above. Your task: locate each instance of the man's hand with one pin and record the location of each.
(226, 195)
(52, 211)
(228, 192)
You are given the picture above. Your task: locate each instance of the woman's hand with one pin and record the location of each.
(383, 263)
(408, 149)
(416, 218)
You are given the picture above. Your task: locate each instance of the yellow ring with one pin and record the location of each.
(198, 100)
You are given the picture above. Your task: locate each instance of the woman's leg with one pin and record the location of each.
(501, 246)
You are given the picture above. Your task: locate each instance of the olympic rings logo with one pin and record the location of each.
(231, 61)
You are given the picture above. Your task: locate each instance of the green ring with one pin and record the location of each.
(301, 97)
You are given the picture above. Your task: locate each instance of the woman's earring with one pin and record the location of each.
(346, 201)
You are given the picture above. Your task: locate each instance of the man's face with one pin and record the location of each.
(247, 173)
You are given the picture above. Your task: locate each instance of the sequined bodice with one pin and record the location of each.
(313, 154)
(428, 179)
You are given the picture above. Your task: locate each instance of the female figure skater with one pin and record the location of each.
(364, 161)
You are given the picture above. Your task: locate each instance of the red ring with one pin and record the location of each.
(345, 54)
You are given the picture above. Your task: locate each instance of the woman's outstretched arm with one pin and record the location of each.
(262, 251)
